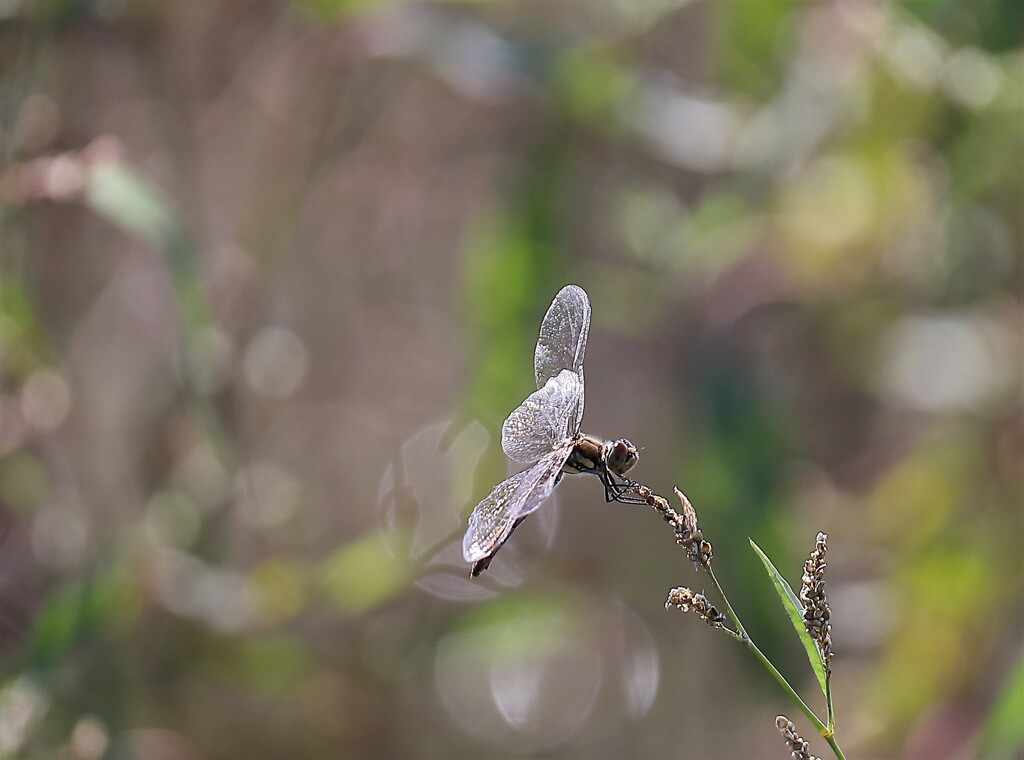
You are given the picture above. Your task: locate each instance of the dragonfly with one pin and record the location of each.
(544, 431)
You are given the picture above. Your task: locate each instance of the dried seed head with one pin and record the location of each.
(685, 600)
(801, 749)
(816, 613)
(688, 534)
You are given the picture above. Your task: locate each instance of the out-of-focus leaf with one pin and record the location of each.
(917, 497)
(23, 482)
(331, 10)
(1002, 736)
(123, 197)
(23, 341)
(58, 622)
(716, 234)
(590, 85)
(497, 302)
(272, 664)
(792, 605)
(510, 273)
(699, 242)
(921, 659)
(529, 624)
(79, 609)
(994, 24)
(752, 40)
(280, 588)
(363, 573)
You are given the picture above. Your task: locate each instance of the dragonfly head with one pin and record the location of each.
(620, 456)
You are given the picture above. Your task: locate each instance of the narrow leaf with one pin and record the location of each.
(1002, 735)
(793, 609)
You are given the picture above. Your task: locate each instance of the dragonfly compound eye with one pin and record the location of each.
(622, 457)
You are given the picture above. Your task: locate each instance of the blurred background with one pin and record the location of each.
(271, 275)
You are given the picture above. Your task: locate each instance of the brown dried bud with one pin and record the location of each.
(800, 749)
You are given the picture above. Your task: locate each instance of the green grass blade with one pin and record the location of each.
(1002, 735)
(793, 609)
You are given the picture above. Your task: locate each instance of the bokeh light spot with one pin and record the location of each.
(89, 738)
(45, 400)
(276, 362)
(972, 78)
(266, 496)
(22, 704)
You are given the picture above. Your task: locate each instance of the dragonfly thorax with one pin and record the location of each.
(595, 455)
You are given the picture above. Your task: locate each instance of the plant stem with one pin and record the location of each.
(828, 700)
(825, 731)
(835, 747)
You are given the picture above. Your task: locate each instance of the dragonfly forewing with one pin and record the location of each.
(546, 418)
(493, 519)
(563, 335)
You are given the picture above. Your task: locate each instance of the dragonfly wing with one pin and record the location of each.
(563, 335)
(494, 518)
(536, 490)
(491, 520)
(541, 422)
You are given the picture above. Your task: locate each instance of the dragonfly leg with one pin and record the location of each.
(618, 491)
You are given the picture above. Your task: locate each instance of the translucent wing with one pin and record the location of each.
(541, 422)
(563, 335)
(494, 518)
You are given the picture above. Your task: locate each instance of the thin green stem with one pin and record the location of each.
(831, 739)
(728, 605)
(825, 731)
(828, 700)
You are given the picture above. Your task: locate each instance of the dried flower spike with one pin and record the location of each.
(797, 745)
(685, 600)
(688, 534)
(816, 613)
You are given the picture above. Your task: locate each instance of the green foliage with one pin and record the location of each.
(510, 266)
(792, 606)
(271, 664)
(121, 195)
(752, 37)
(81, 609)
(1002, 736)
(590, 85)
(362, 574)
(331, 10)
(23, 482)
(529, 625)
(25, 342)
